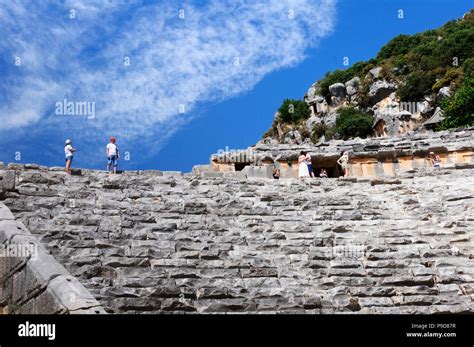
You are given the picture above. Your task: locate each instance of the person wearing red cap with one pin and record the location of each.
(112, 154)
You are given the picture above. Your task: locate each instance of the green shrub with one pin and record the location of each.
(420, 63)
(401, 64)
(459, 108)
(469, 17)
(416, 86)
(386, 71)
(424, 57)
(468, 68)
(292, 111)
(360, 69)
(430, 56)
(402, 44)
(351, 122)
(457, 44)
(304, 132)
(367, 68)
(321, 129)
(426, 62)
(434, 47)
(452, 76)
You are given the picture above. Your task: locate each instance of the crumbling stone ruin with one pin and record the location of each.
(372, 157)
(225, 242)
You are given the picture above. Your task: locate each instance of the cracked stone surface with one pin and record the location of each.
(146, 242)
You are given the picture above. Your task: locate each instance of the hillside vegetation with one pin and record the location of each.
(419, 66)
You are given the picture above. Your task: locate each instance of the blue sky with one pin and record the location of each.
(176, 81)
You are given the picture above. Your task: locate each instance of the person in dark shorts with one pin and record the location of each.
(310, 164)
(112, 154)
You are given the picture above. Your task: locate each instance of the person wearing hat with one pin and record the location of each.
(112, 154)
(69, 153)
(435, 161)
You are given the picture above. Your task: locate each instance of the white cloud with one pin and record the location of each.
(220, 49)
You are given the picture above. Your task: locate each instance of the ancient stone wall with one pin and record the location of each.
(372, 157)
(31, 280)
(212, 242)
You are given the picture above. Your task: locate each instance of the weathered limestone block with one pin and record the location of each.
(211, 174)
(381, 89)
(16, 166)
(198, 169)
(258, 171)
(337, 90)
(5, 213)
(236, 174)
(31, 279)
(7, 180)
(352, 86)
(191, 243)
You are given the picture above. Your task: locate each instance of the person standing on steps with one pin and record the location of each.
(69, 154)
(344, 162)
(435, 161)
(310, 165)
(303, 171)
(112, 154)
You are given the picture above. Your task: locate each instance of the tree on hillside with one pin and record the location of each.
(459, 108)
(416, 86)
(351, 122)
(292, 111)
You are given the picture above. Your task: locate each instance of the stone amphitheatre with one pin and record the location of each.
(394, 237)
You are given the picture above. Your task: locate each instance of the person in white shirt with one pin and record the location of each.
(69, 154)
(303, 171)
(112, 154)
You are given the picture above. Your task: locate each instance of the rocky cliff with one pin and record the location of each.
(388, 157)
(403, 89)
(168, 242)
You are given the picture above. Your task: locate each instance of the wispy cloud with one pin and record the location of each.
(142, 63)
